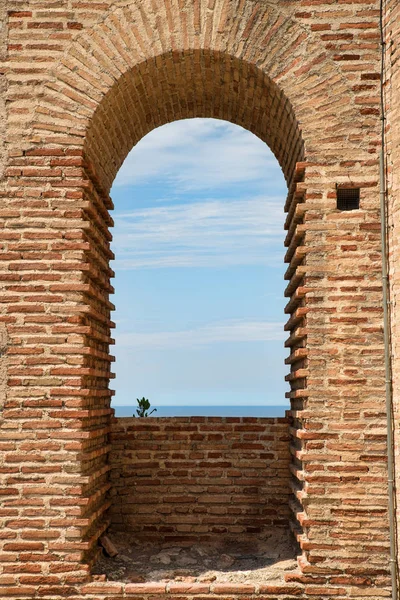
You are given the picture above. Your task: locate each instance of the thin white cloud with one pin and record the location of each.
(211, 233)
(198, 154)
(227, 331)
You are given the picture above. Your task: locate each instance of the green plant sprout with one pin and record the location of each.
(143, 407)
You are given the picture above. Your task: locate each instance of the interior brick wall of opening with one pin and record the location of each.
(190, 478)
(82, 82)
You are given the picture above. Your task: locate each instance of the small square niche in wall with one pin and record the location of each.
(348, 198)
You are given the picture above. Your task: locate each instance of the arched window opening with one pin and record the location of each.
(201, 479)
(198, 240)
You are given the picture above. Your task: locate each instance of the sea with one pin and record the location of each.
(207, 411)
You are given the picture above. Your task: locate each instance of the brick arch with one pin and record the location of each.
(319, 62)
(133, 44)
(103, 99)
(179, 85)
(176, 85)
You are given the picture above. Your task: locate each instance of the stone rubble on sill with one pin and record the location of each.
(255, 560)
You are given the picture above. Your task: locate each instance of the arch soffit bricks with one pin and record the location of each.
(135, 39)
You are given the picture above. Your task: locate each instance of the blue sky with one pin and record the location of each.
(198, 239)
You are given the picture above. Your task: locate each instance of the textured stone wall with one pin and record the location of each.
(3, 160)
(84, 81)
(191, 478)
(392, 102)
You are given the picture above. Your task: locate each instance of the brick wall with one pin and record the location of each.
(392, 98)
(184, 478)
(84, 81)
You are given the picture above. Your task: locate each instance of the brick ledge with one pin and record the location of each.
(139, 589)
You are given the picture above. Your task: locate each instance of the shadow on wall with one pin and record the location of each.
(191, 478)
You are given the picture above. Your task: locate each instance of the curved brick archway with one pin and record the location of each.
(125, 59)
(304, 80)
(172, 86)
(181, 85)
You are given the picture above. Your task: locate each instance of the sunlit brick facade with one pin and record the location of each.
(81, 83)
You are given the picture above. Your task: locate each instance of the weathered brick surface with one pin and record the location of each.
(84, 81)
(185, 478)
(392, 126)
